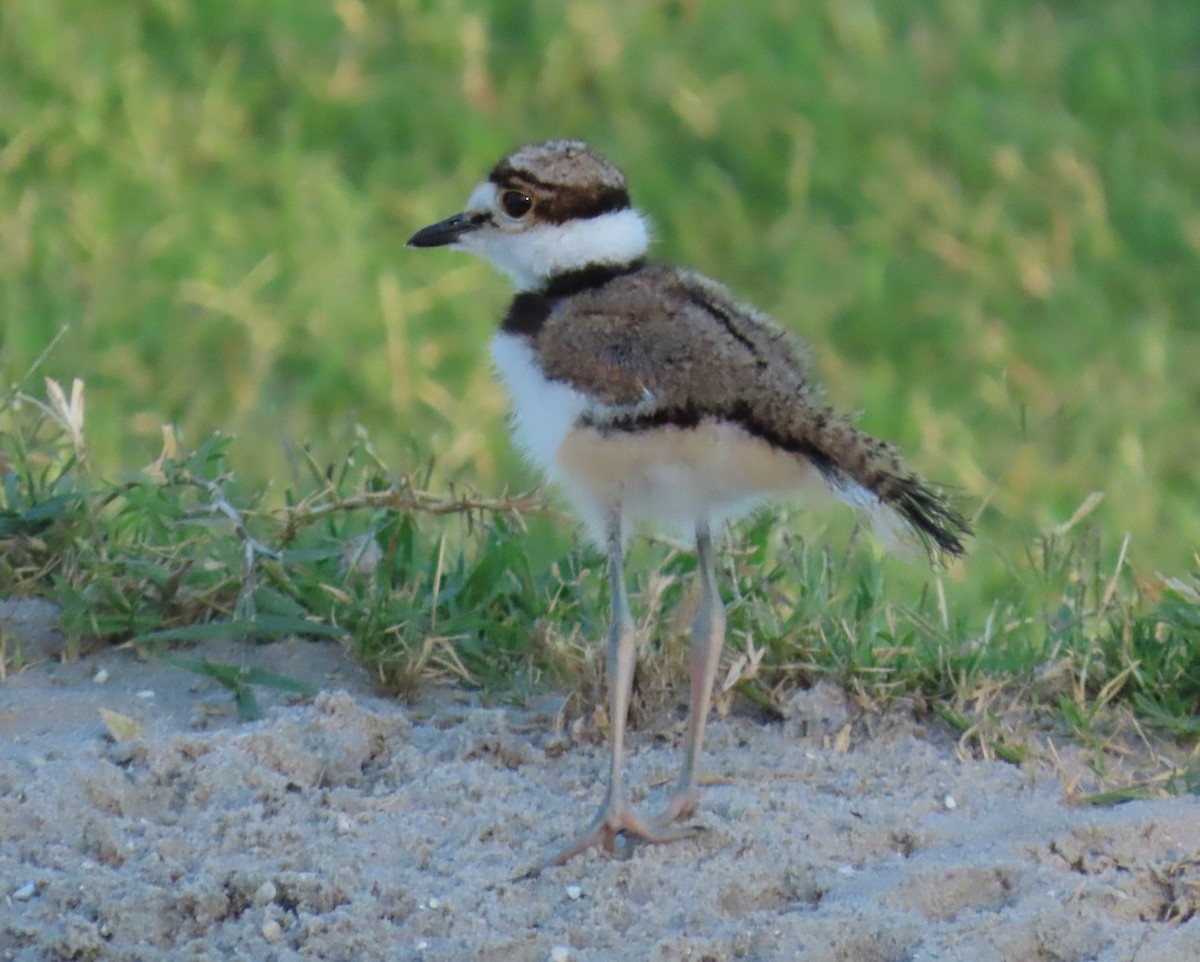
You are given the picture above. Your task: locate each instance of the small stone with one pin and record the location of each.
(101, 676)
(435, 904)
(271, 931)
(345, 879)
(121, 728)
(25, 892)
(560, 953)
(146, 694)
(574, 891)
(950, 803)
(344, 824)
(265, 893)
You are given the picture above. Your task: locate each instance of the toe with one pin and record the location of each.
(614, 819)
(682, 805)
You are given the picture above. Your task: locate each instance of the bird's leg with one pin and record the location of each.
(708, 637)
(616, 815)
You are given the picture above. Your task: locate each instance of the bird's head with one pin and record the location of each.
(545, 210)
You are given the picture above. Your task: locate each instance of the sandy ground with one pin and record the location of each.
(353, 827)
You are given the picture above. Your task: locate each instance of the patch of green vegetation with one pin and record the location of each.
(426, 586)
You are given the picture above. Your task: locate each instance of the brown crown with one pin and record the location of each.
(566, 179)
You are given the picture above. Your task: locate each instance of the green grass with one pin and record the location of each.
(426, 586)
(983, 216)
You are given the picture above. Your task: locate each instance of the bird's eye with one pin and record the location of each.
(515, 203)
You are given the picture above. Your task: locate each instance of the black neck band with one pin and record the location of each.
(530, 309)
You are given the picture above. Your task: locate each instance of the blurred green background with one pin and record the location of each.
(984, 216)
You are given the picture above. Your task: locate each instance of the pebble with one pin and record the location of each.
(574, 891)
(265, 893)
(271, 931)
(560, 953)
(101, 676)
(146, 694)
(950, 803)
(25, 892)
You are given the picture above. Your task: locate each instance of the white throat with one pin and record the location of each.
(533, 255)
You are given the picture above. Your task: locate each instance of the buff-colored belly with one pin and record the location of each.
(677, 476)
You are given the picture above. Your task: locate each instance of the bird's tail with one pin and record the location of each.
(870, 474)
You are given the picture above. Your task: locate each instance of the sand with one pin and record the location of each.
(357, 827)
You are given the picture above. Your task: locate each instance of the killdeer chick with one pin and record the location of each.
(649, 394)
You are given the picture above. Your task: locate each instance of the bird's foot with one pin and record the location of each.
(614, 819)
(682, 805)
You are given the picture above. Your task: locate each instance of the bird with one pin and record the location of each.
(647, 393)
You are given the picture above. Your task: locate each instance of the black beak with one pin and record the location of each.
(444, 231)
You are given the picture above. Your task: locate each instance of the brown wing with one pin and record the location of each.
(664, 339)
